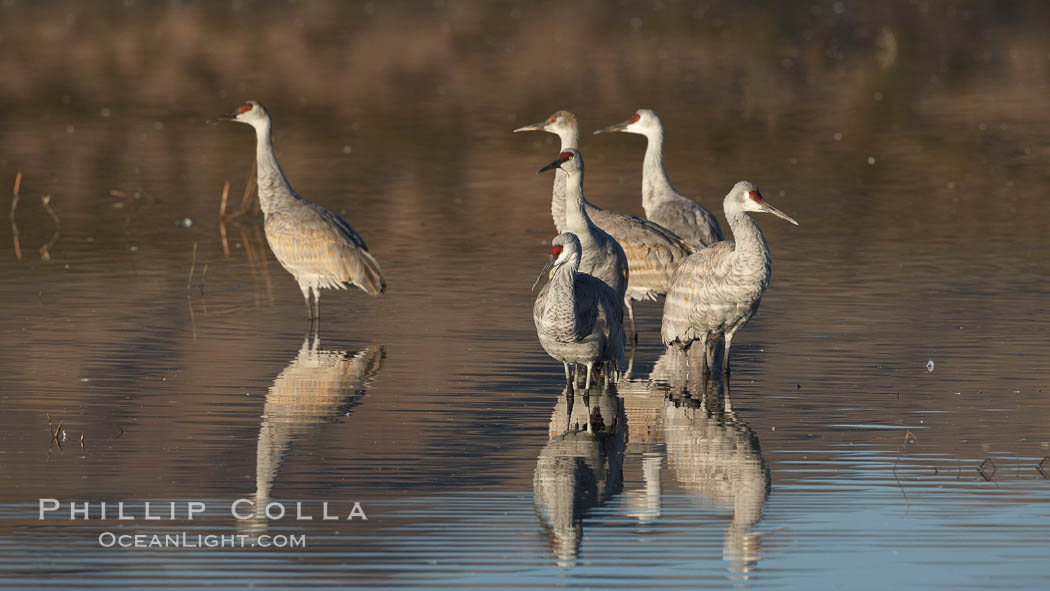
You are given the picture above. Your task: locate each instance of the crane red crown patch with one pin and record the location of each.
(755, 196)
(634, 118)
(565, 156)
(244, 108)
(556, 250)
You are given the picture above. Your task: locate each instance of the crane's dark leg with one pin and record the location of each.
(317, 305)
(312, 340)
(630, 312)
(568, 379)
(570, 398)
(707, 355)
(306, 297)
(725, 360)
(630, 362)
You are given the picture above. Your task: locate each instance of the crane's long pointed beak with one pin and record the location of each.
(617, 127)
(770, 209)
(546, 269)
(532, 127)
(555, 164)
(223, 117)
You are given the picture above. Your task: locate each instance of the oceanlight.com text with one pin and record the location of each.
(109, 539)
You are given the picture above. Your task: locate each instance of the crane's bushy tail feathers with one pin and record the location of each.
(361, 269)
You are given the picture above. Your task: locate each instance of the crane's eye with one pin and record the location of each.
(244, 108)
(635, 118)
(556, 250)
(566, 156)
(755, 196)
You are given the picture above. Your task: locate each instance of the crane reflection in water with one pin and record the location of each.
(317, 387)
(581, 466)
(678, 419)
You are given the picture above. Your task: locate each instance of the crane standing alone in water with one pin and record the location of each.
(315, 245)
(577, 316)
(662, 204)
(652, 251)
(717, 290)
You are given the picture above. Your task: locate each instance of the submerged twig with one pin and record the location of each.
(45, 250)
(225, 242)
(14, 206)
(193, 265)
(56, 435)
(908, 436)
(981, 469)
(246, 197)
(225, 195)
(193, 321)
(222, 219)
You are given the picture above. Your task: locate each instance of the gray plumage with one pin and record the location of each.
(578, 317)
(652, 251)
(717, 290)
(316, 246)
(602, 257)
(662, 204)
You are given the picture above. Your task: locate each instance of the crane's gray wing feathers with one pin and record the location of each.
(697, 291)
(312, 242)
(652, 251)
(688, 220)
(342, 225)
(610, 314)
(602, 309)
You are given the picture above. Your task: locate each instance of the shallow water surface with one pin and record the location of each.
(175, 356)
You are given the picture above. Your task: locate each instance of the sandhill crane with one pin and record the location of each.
(562, 123)
(316, 246)
(577, 316)
(718, 289)
(602, 257)
(662, 204)
(652, 251)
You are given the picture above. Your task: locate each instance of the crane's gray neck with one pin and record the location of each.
(750, 243)
(274, 190)
(569, 139)
(656, 187)
(560, 307)
(576, 219)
